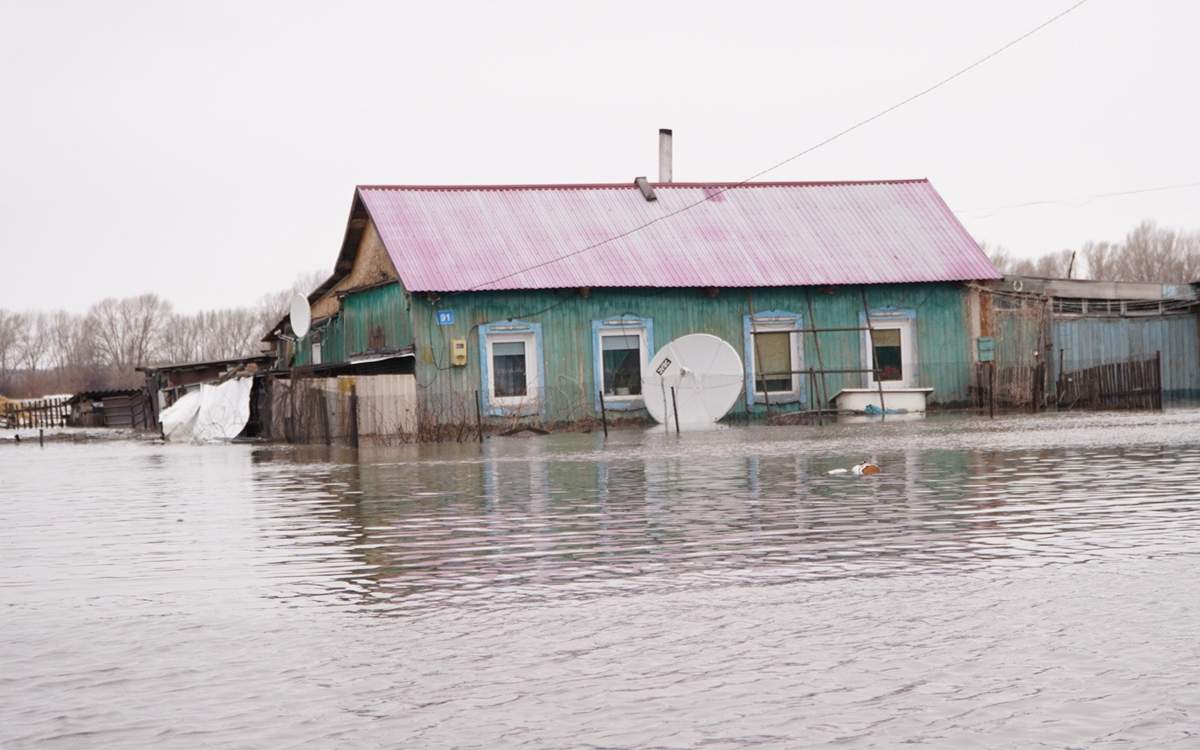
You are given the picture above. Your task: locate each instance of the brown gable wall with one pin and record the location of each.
(371, 266)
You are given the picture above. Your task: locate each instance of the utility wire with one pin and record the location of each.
(709, 195)
(1080, 201)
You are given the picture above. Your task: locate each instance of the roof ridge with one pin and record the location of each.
(728, 185)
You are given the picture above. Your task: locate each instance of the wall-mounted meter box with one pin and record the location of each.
(458, 352)
(986, 348)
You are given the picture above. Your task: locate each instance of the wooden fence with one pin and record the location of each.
(47, 412)
(1134, 384)
(343, 410)
(1014, 387)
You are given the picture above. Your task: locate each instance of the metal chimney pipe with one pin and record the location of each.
(664, 155)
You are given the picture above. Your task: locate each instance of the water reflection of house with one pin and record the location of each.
(1068, 325)
(522, 294)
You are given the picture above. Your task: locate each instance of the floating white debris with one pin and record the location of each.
(866, 467)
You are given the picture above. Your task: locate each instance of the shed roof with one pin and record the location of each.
(208, 363)
(459, 238)
(100, 395)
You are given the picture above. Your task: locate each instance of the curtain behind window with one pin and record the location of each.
(508, 369)
(622, 362)
(774, 355)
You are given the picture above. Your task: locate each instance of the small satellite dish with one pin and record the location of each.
(706, 373)
(301, 316)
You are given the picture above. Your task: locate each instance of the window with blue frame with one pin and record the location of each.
(774, 356)
(621, 349)
(621, 363)
(511, 369)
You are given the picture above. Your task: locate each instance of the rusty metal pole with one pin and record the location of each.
(675, 408)
(874, 355)
(758, 373)
(822, 395)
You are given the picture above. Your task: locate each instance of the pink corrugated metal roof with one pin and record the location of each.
(449, 239)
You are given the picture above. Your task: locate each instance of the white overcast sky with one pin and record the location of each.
(207, 151)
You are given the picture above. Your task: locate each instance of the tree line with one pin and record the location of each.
(57, 351)
(1149, 253)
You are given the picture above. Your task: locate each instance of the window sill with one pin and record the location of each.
(513, 409)
(623, 403)
(784, 397)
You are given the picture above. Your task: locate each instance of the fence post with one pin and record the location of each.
(603, 414)
(991, 390)
(324, 415)
(478, 417)
(1158, 380)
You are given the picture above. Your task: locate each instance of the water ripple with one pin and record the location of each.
(1029, 582)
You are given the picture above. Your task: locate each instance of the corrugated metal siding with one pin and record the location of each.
(1091, 341)
(753, 235)
(1018, 333)
(382, 310)
(448, 392)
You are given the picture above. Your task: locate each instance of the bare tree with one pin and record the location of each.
(11, 325)
(1101, 259)
(185, 341)
(127, 332)
(272, 307)
(64, 335)
(998, 255)
(34, 341)
(1055, 265)
(1157, 254)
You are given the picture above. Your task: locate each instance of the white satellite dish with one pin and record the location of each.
(301, 316)
(706, 373)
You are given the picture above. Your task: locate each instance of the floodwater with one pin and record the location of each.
(1028, 582)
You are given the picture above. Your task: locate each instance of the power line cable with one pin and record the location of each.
(709, 195)
(1079, 201)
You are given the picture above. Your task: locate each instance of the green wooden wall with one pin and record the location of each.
(368, 320)
(448, 393)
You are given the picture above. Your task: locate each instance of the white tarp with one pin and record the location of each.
(179, 419)
(215, 412)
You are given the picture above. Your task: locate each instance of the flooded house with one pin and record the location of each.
(531, 303)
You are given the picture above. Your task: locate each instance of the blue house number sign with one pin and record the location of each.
(445, 317)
